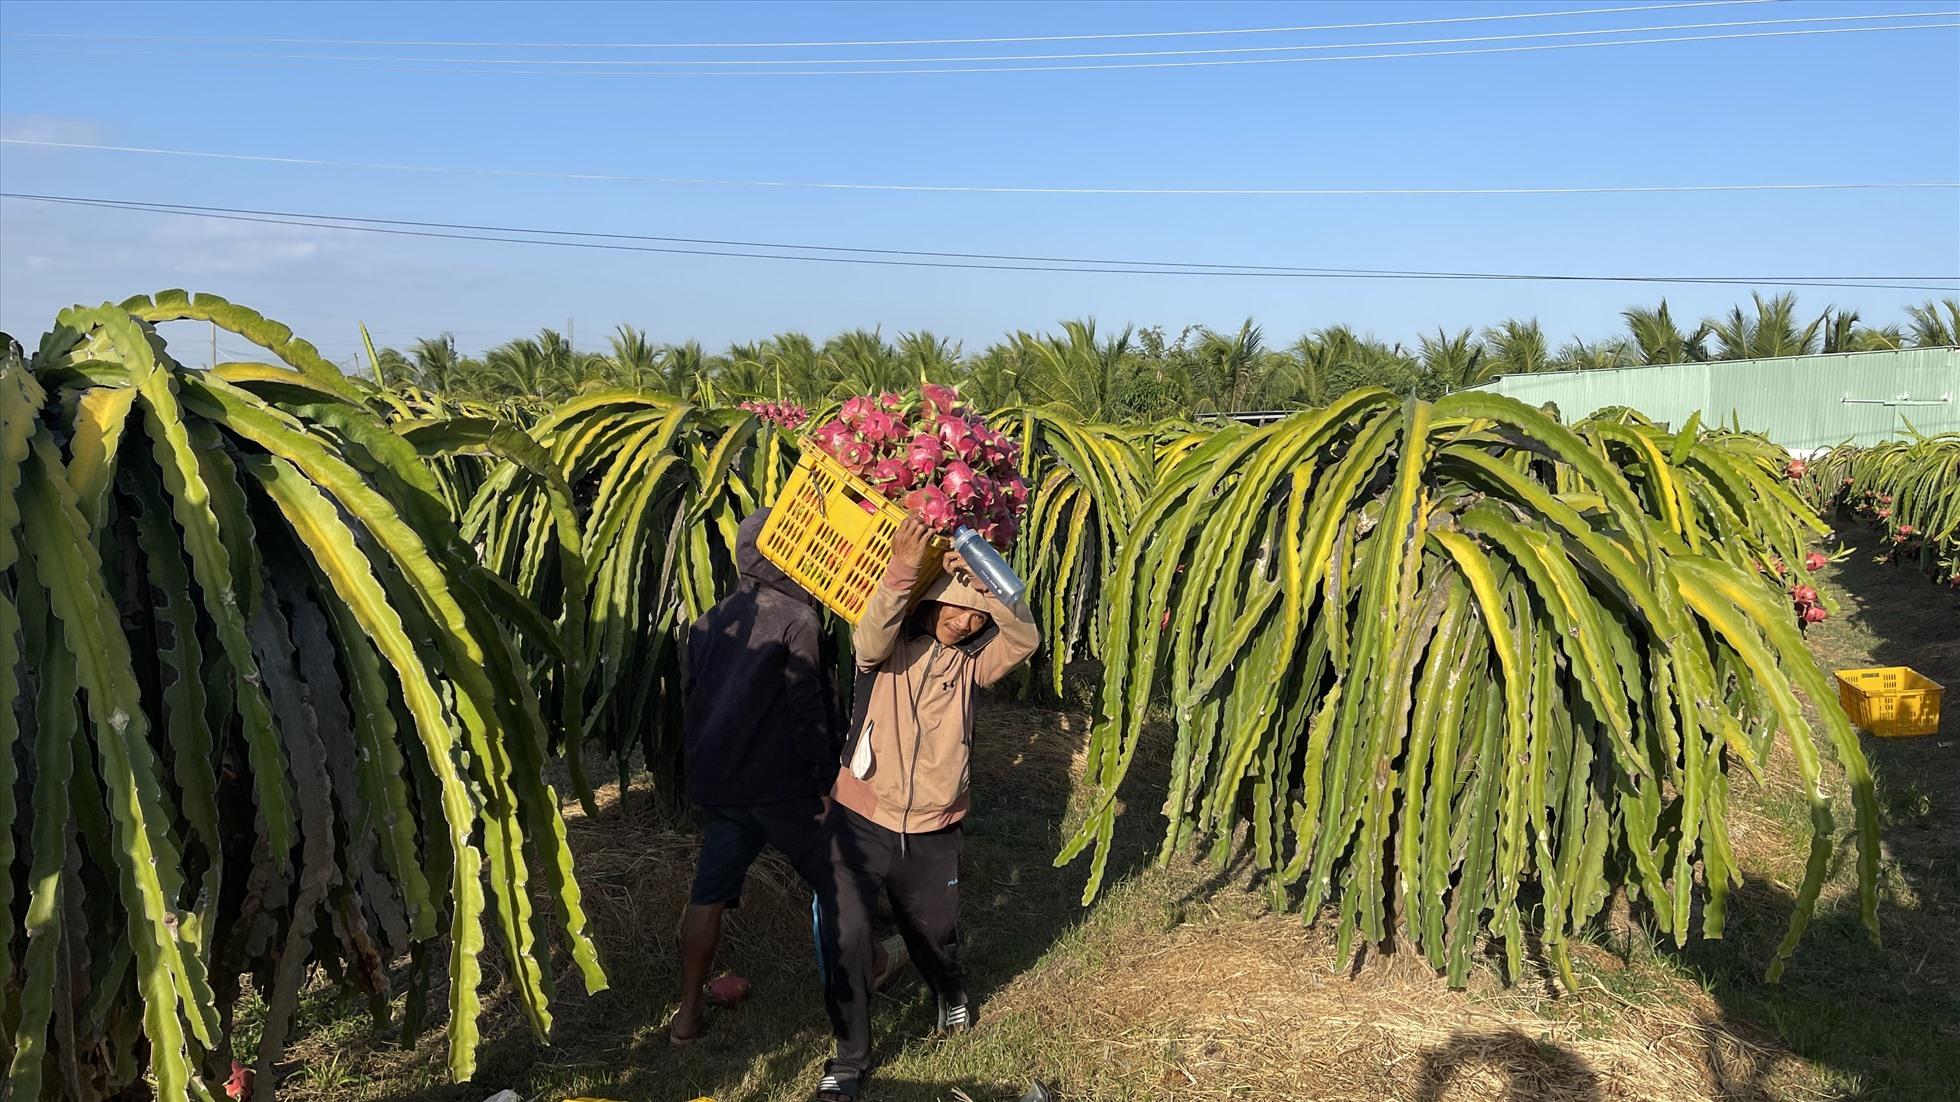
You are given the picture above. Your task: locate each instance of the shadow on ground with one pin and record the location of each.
(635, 865)
(1532, 1070)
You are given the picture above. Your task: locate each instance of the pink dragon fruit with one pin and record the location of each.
(832, 437)
(986, 494)
(1815, 614)
(958, 482)
(931, 503)
(880, 428)
(957, 434)
(891, 476)
(855, 411)
(788, 415)
(999, 530)
(1015, 493)
(939, 399)
(932, 454)
(1814, 561)
(856, 456)
(924, 456)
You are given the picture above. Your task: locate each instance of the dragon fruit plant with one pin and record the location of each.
(788, 416)
(933, 455)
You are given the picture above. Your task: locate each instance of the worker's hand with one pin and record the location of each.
(911, 543)
(956, 565)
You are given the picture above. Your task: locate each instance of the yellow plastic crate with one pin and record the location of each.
(832, 532)
(1891, 701)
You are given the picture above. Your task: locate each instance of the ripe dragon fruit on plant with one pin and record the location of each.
(785, 415)
(934, 456)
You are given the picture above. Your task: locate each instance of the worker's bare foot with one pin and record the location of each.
(687, 1026)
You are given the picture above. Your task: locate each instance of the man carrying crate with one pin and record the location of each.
(901, 795)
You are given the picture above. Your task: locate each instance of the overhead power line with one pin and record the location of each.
(383, 65)
(918, 258)
(1270, 192)
(94, 35)
(972, 58)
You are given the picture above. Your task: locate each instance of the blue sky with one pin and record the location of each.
(1824, 108)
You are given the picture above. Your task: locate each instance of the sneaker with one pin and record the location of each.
(955, 1017)
(833, 1088)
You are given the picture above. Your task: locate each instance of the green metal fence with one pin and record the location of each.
(1801, 402)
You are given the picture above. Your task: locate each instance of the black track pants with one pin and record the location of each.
(921, 875)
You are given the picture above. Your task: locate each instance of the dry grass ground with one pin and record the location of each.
(1178, 985)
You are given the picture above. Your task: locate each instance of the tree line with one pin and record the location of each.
(1144, 373)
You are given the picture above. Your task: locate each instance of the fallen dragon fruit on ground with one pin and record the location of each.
(933, 455)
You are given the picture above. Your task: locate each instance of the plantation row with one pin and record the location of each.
(1909, 490)
(1142, 374)
(284, 655)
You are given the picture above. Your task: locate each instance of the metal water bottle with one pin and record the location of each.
(989, 565)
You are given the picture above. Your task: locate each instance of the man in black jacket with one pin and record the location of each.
(763, 739)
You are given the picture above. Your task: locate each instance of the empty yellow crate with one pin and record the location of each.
(1891, 701)
(832, 532)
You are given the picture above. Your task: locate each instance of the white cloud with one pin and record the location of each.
(52, 128)
(202, 247)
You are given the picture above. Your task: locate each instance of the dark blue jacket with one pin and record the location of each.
(761, 711)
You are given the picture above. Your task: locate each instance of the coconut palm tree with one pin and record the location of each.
(998, 376)
(1842, 333)
(1516, 347)
(1452, 362)
(1579, 355)
(1231, 368)
(744, 371)
(1773, 331)
(1304, 369)
(1076, 368)
(391, 368)
(1932, 328)
(543, 367)
(796, 367)
(861, 362)
(1656, 339)
(681, 369)
(435, 365)
(632, 359)
(928, 357)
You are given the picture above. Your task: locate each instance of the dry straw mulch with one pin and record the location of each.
(1252, 1009)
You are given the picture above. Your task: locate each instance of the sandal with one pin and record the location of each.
(832, 1088)
(954, 1018)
